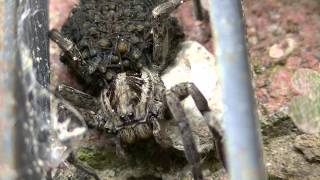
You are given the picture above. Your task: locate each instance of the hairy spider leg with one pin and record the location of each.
(191, 150)
(197, 9)
(160, 32)
(174, 96)
(95, 114)
(77, 98)
(171, 5)
(213, 123)
(156, 130)
(165, 8)
(88, 106)
(74, 60)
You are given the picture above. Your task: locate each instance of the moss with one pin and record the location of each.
(273, 177)
(276, 125)
(143, 154)
(258, 69)
(99, 158)
(148, 177)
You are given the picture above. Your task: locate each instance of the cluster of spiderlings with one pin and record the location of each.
(111, 38)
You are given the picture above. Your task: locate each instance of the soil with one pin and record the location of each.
(283, 37)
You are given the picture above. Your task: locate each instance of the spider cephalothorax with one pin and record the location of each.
(123, 62)
(135, 100)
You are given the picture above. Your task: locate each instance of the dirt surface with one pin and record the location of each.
(283, 37)
(274, 27)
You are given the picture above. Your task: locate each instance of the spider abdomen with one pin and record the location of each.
(112, 35)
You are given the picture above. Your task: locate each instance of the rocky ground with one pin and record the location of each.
(284, 50)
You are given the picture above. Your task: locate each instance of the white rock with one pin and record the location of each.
(195, 64)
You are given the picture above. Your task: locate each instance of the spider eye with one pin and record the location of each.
(122, 117)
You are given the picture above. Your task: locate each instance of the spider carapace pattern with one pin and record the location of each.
(119, 48)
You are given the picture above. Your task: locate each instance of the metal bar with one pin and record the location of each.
(32, 80)
(7, 99)
(243, 143)
(23, 115)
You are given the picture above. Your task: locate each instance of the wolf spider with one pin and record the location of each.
(132, 101)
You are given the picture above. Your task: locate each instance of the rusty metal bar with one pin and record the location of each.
(243, 144)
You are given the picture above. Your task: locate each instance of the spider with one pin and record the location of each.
(120, 54)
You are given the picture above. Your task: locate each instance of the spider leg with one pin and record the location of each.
(65, 44)
(87, 106)
(165, 8)
(191, 150)
(197, 9)
(74, 58)
(160, 32)
(182, 90)
(77, 98)
(174, 96)
(72, 160)
(65, 113)
(156, 129)
(167, 35)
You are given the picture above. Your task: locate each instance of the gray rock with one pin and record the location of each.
(194, 64)
(309, 145)
(284, 162)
